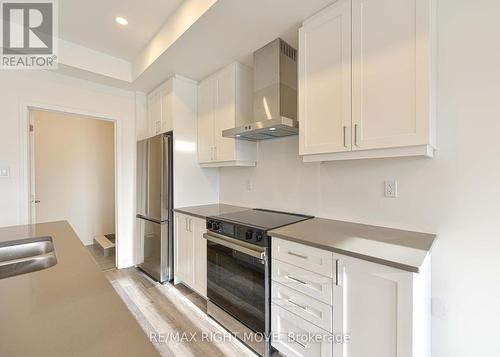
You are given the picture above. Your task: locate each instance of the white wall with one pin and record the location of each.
(193, 185)
(456, 194)
(75, 172)
(20, 89)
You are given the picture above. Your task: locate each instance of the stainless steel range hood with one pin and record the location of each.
(275, 94)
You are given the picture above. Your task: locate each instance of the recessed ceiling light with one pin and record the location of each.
(238, 135)
(272, 129)
(121, 20)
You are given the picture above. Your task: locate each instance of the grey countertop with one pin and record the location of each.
(393, 247)
(209, 210)
(69, 309)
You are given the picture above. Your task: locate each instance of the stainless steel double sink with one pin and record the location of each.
(26, 256)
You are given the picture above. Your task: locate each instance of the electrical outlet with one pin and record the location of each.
(4, 172)
(391, 188)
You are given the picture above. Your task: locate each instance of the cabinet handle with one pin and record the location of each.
(297, 255)
(215, 153)
(186, 224)
(190, 225)
(344, 133)
(355, 134)
(298, 305)
(296, 280)
(297, 342)
(338, 272)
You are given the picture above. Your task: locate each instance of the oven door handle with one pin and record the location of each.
(219, 239)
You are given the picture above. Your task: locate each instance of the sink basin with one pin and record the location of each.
(26, 256)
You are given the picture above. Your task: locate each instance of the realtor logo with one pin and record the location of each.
(29, 37)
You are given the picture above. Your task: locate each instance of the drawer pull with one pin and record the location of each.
(297, 342)
(298, 305)
(296, 280)
(297, 255)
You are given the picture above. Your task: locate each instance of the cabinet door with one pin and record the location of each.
(167, 120)
(390, 73)
(206, 102)
(384, 319)
(184, 249)
(154, 113)
(200, 257)
(325, 81)
(225, 113)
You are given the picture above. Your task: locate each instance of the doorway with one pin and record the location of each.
(73, 178)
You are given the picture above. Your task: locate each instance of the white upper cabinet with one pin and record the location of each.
(366, 80)
(160, 109)
(325, 81)
(224, 102)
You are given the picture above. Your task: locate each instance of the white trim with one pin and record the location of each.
(419, 150)
(25, 163)
(229, 163)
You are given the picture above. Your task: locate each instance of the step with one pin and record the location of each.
(106, 245)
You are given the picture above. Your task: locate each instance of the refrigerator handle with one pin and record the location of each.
(148, 149)
(167, 177)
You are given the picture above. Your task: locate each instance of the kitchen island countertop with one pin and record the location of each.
(69, 309)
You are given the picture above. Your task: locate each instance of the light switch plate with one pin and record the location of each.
(4, 172)
(391, 188)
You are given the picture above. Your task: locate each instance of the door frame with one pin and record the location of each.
(27, 158)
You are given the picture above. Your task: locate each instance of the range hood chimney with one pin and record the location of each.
(275, 94)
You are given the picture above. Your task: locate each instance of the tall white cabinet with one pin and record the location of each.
(366, 80)
(224, 102)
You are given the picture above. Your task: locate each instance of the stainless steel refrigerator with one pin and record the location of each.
(154, 205)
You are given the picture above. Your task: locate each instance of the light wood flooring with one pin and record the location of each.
(173, 309)
(104, 262)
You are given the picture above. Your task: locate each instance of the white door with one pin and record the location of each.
(225, 114)
(199, 257)
(325, 81)
(375, 305)
(390, 96)
(184, 249)
(206, 102)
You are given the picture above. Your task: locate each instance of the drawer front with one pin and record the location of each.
(317, 260)
(302, 305)
(295, 337)
(314, 285)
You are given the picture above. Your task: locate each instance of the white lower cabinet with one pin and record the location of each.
(302, 305)
(298, 337)
(190, 252)
(364, 309)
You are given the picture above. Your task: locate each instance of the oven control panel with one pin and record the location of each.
(240, 232)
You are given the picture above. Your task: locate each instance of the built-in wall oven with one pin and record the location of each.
(239, 272)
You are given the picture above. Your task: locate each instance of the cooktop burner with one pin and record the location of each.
(262, 218)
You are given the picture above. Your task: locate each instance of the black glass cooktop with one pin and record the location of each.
(262, 219)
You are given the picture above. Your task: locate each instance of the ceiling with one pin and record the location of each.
(91, 23)
(230, 30)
